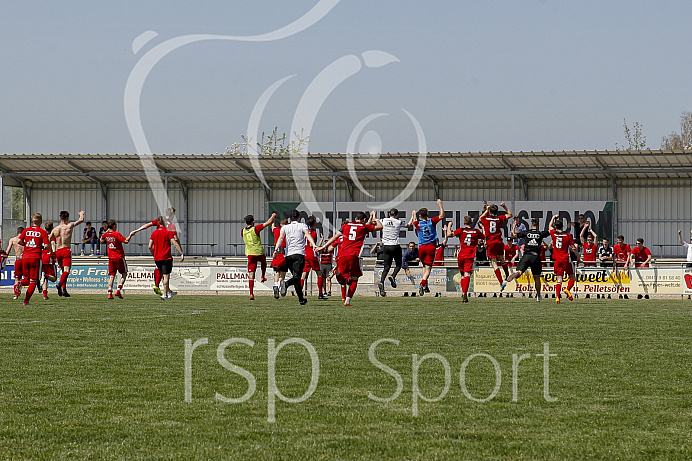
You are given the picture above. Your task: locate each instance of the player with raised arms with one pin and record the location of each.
(348, 262)
(312, 261)
(563, 245)
(492, 228)
(468, 238)
(116, 257)
(62, 234)
(295, 233)
(531, 259)
(254, 250)
(391, 228)
(48, 260)
(427, 241)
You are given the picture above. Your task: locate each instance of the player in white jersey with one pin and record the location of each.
(391, 226)
(296, 233)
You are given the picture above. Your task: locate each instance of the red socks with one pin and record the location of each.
(252, 286)
(157, 277)
(465, 284)
(570, 284)
(497, 274)
(30, 291)
(505, 267)
(343, 291)
(558, 289)
(352, 288)
(320, 282)
(63, 279)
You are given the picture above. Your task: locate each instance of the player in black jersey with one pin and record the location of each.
(532, 254)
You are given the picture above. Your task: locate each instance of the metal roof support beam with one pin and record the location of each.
(436, 185)
(26, 187)
(185, 190)
(349, 187)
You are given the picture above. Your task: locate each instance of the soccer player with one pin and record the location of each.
(687, 246)
(468, 238)
(18, 251)
(62, 234)
(440, 249)
(295, 233)
(170, 226)
(160, 247)
(590, 248)
(492, 229)
(427, 241)
(640, 256)
(34, 239)
(326, 260)
(254, 249)
(116, 257)
(334, 247)
(311, 260)
(48, 261)
(391, 228)
(563, 244)
(349, 252)
(511, 252)
(531, 258)
(279, 260)
(622, 253)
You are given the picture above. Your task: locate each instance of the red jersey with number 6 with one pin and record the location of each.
(561, 243)
(354, 236)
(469, 241)
(492, 227)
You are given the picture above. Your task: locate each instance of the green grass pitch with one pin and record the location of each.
(87, 378)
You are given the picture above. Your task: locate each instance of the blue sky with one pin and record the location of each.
(477, 76)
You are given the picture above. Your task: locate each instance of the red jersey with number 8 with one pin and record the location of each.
(354, 236)
(492, 227)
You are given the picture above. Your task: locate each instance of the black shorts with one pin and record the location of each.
(530, 261)
(165, 266)
(392, 253)
(295, 264)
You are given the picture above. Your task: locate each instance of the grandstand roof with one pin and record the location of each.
(441, 166)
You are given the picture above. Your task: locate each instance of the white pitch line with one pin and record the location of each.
(101, 319)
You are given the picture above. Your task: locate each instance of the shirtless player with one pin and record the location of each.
(18, 252)
(62, 234)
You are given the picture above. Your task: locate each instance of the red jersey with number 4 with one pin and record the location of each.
(354, 236)
(621, 252)
(561, 243)
(492, 227)
(162, 244)
(34, 240)
(114, 242)
(469, 241)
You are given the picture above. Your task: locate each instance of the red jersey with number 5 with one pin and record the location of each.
(561, 243)
(354, 236)
(469, 241)
(492, 227)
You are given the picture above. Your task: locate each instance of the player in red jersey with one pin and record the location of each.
(116, 257)
(427, 241)
(511, 252)
(640, 256)
(18, 251)
(468, 238)
(312, 261)
(170, 226)
(334, 247)
(34, 239)
(348, 261)
(440, 250)
(563, 244)
(492, 228)
(160, 247)
(590, 248)
(48, 261)
(622, 253)
(279, 259)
